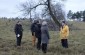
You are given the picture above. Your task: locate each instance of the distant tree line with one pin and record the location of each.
(27, 23)
(76, 15)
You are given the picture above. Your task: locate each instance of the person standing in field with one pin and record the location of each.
(38, 34)
(33, 32)
(64, 33)
(19, 32)
(44, 36)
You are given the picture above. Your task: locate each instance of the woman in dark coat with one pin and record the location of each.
(19, 32)
(44, 36)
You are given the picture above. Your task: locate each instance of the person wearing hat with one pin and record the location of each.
(19, 32)
(44, 36)
(64, 33)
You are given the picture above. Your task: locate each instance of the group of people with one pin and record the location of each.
(41, 33)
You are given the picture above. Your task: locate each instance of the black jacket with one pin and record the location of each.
(33, 27)
(38, 30)
(18, 29)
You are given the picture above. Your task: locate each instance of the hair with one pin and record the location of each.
(35, 21)
(63, 22)
(44, 23)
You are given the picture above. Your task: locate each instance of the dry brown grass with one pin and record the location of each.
(8, 42)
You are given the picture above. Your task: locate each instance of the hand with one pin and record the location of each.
(18, 35)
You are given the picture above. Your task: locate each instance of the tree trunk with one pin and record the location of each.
(52, 15)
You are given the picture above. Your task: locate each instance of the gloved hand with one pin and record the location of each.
(18, 35)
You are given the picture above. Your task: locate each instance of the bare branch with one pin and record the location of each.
(51, 13)
(28, 9)
(37, 6)
(49, 10)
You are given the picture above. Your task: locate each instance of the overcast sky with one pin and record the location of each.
(10, 8)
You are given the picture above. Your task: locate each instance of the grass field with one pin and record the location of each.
(8, 41)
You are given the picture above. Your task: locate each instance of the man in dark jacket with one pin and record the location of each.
(38, 34)
(33, 32)
(19, 32)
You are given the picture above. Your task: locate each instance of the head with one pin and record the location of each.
(35, 21)
(19, 22)
(63, 23)
(44, 23)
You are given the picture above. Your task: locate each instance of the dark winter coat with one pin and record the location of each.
(38, 30)
(18, 29)
(33, 27)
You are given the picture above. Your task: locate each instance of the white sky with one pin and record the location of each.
(9, 8)
(75, 5)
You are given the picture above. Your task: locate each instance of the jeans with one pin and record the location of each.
(64, 43)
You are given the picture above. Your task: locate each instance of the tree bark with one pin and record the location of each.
(52, 15)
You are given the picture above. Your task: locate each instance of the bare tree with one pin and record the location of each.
(58, 11)
(48, 9)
